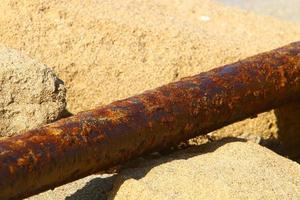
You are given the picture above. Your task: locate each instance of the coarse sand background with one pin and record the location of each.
(109, 50)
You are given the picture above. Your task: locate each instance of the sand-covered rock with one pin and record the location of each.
(234, 170)
(30, 93)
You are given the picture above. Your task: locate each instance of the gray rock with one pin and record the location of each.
(30, 93)
(283, 9)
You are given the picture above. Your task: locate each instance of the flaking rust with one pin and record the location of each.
(98, 139)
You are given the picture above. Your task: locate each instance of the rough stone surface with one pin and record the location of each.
(30, 93)
(234, 170)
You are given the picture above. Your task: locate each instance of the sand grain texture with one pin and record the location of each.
(221, 170)
(109, 50)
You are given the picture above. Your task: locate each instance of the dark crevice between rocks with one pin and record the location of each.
(288, 122)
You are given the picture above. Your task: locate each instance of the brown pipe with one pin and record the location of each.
(98, 139)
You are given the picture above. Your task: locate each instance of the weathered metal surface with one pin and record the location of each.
(98, 139)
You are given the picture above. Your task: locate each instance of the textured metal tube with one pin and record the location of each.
(106, 136)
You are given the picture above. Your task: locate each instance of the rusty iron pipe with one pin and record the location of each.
(98, 139)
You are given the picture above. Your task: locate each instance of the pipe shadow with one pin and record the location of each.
(288, 144)
(99, 188)
(95, 189)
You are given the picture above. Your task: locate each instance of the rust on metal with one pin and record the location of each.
(95, 140)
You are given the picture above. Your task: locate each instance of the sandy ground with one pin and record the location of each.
(103, 52)
(222, 170)
(107, 50)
